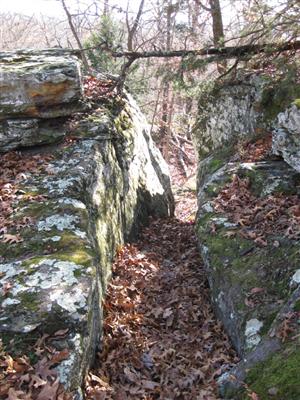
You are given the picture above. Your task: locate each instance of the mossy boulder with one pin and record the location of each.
(235, 264)
(92, 195)
(241, 108)
(278, 376)
(250, 283)
(254, 279)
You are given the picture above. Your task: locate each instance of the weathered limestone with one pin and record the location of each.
(236, 265)
(253, 286)
(35, 88)
(18, 133)
(286, 136)
(97, 192)
(228, 114)
(44, 85)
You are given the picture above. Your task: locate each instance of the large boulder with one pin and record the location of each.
(39, 84)
(64, 218)
(286, 135)
(249, 279)
(36, 88)
(239, 109)
(248, 228)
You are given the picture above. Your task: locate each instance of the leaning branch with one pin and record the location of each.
(215, 54)
(222, 52)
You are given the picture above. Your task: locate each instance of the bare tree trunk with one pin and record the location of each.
(193, 17)
(169, 124)
(76, 37)
(217, 23)
(155, 110)
(164, 131)
(216, 14)
(132, 30)
(218, 30)
(188, 112)
(105, 8)
(131, 33)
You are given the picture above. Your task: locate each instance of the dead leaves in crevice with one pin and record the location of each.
(98, 89)
(256, 151)
(161, 338)
(257, 218)
(21, 379)
(15, 168)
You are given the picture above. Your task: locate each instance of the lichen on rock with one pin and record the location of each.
(93, 193)
(252, 273)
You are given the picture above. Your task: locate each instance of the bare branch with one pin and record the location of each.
(72, 27)
(221, 53)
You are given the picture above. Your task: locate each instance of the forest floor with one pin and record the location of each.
(161, 338)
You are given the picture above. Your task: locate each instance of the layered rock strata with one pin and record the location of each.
(94, 192)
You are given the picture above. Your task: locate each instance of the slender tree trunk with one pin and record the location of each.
(105, 8)
(133, 29)
(217, 23)
(188, 112)
(164, 131)
(76, 37)
(218, 30)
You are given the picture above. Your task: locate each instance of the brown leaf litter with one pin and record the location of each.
(161, 338)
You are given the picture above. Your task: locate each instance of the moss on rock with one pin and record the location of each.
(279, 372)
(297, 103)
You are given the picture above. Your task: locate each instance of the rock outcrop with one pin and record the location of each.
(70, 212)
(286, 136)
(248, 227)
(35, 89)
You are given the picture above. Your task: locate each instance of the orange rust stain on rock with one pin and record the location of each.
(48, 91)
(31, 111)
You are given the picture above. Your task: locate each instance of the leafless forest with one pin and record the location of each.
(166, 52)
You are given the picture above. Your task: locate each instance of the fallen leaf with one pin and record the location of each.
(257, 290)
(18, 395)
(36, 381)
(61, 332)
(49, 391)
(6, 288)
(11, 239)
(99, 380)
(132, 377)
(149, 384)
(59, 356)
(167, 313)
(4, 388)
(253, 396)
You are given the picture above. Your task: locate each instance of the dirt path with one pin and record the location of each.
(161, 339)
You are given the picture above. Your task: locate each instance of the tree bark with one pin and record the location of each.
(132, 30)
(219, 53)
(165, 109)
(218, 31)
(76, 37)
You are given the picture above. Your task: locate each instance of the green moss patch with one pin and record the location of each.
(281, 372)
(279, 95)
(18, 344)
(80, 257)
(297, 306)
(29, 301)
(297, 103)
